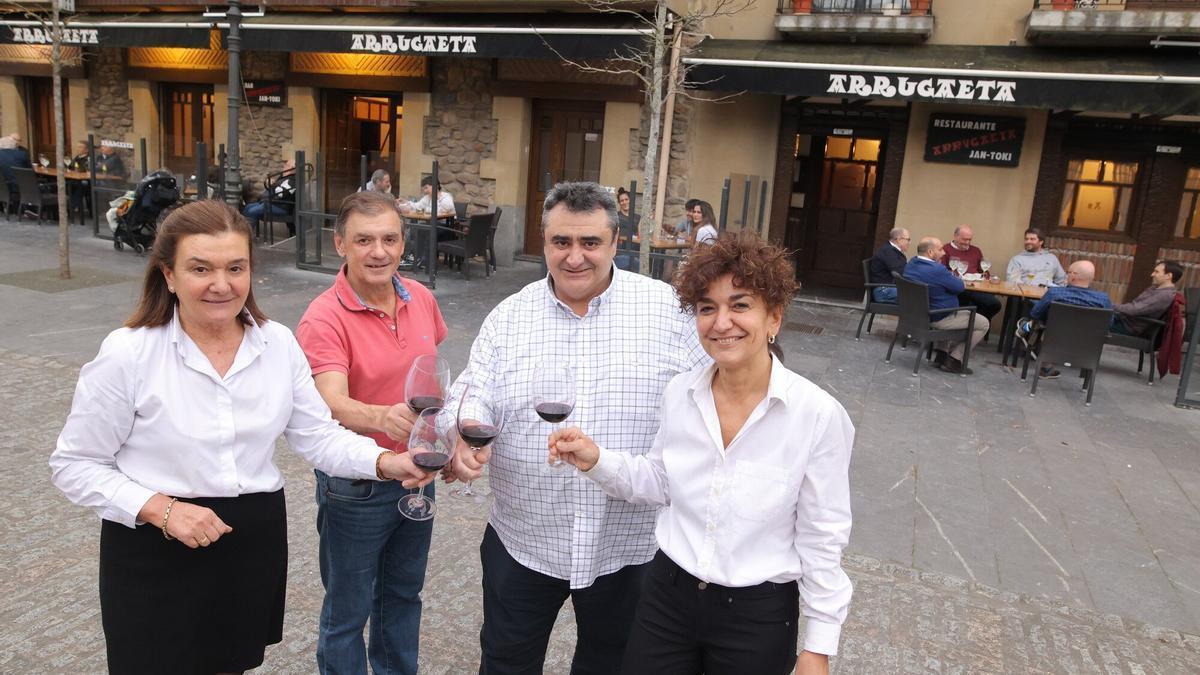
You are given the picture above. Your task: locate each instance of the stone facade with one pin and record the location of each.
(459, 130)
(679, 167)
(263, 130)
(109, 107)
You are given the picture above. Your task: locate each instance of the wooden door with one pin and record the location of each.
(565, 146)
(187, 118)
(357, 124)
(841, 226)
(40, 94)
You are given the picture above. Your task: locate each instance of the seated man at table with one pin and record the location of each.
(1152, 303)
(415, 251)
(109, 162)
(888, 258)
(281, 192)
(78, 191)
(961, 248)
(944, 289)
(13, 156)
(380, 181)
(1080, 275)
(1035, 265)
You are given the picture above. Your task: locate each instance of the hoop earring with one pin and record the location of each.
(770, 339)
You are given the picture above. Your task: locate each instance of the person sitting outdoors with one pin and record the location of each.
(704, 224)
(1080, 275)
(723, 592)
(78, 191)
(282, 195)
(890, 257)
(108, 162)
(445, 201)
(381, 181)
(627, 256)
(944, 289)
(1035, 265)
(13, 156)
(960, 248)
(684, 227)
(1129, 318)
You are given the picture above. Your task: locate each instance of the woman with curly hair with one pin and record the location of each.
(751, 467)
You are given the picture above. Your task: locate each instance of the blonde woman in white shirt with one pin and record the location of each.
(750, 467)
(170, 441)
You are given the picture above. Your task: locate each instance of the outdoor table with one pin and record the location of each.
(425, 246)
(662, 245)
(51, 172)
(1017, 295)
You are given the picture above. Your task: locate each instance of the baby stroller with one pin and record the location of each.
(151, 201)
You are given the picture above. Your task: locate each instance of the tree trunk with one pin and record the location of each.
(64, 221)
(654, 97)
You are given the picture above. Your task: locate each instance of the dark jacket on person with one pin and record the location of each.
(78, 163)
(887, 259)
(110, 164)
(281, 190)
(13, 158)
(944, 287)
(1151, 303)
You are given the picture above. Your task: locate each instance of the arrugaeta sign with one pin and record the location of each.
(71, 36)
(974, 139)
(388, 43)
(944, 88)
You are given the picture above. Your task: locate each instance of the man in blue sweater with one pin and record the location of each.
(944, 289)
(1077, 292)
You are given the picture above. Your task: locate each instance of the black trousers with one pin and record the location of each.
(985, 303)
(521, 605)
(684, 626)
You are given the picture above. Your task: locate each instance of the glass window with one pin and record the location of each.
(837, 146)
(1188, 224)
(866, 150)
(1097, 195)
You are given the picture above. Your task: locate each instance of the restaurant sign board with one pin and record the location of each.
(974, 139)
(271, 93)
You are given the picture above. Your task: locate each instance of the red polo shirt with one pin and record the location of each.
(339, 333)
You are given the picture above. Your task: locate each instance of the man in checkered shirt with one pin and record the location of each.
(553, 534)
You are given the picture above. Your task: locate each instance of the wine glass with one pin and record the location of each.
(984, 266)
(480, 420)
(426, 384)
(430, 446)
(554, 397)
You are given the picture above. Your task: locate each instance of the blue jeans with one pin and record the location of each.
(887, 294)
(372, 565)
(256, 211)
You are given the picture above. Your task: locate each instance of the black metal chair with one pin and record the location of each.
(916, 322)
(1192, 299)
(870, 306)
(1074, 337)
(31, 194)
(473, 243)
(492, 237)
(1146, 343)
(5, 198)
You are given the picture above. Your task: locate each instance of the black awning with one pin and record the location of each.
(1114, 80)
(574, 36)
(148, 30)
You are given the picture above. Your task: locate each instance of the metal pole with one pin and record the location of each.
(92, 185)
(201, 171)
(724, 204)
(221, 171)
(633, 204)
(745, 205)
(362, 171)
(233, 168)
(431, 261)
(762, 205)
(142, 146)
(301, 184)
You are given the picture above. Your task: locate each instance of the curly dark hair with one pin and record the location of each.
(756, 265)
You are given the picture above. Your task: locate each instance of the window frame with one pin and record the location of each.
(1133, 224)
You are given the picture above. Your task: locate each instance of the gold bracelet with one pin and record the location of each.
(167, 516)
(378, 469)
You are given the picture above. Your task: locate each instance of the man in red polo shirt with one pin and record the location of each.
(361, 337)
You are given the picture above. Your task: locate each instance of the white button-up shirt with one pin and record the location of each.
(150, 414)
(633, 339)
(772, 506)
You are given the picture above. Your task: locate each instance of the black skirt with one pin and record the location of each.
(167, 608)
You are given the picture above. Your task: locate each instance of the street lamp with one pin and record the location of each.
(233, 169)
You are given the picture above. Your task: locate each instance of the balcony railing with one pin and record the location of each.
(881, 7)
(1180, 5)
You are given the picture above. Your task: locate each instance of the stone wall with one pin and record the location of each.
(263, 130)
(460, 131)
(109, 107)
(679, 166)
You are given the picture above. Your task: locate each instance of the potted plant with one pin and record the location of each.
(801, 6)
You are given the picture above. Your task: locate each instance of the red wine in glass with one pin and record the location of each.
(478, 435)
(553, 412)
(430, 445)
(430, 461)
(419, 403)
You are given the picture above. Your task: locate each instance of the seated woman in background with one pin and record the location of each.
(170, 440)
(627, 249)
(704, 223)
(751, 464)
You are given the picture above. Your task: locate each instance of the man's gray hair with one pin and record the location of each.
(378, 176)
(896, 233)
(582, 197)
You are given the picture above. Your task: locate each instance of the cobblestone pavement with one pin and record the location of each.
(988, 537)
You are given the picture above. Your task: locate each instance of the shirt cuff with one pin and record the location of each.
(602, 470)
(127, 503)
(821, 637)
